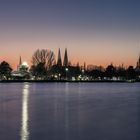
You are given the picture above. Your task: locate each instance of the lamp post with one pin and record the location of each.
(83, 71)
(59, 76)
(66, 69)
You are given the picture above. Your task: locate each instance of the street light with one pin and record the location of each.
(83, 71)
(59, 75)
(66, 69)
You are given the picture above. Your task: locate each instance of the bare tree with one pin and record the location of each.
(45, 57)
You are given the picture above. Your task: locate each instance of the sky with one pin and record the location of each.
(97, 32)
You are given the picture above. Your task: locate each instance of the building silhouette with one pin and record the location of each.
(19, 64)
(65, 71)
(65, 62)
(59, 60)
(138, 64)
(22, 71)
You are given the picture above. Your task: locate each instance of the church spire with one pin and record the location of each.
(19, 64)
(65, 62)
(59, 61)
(138, 62)
(20, 61)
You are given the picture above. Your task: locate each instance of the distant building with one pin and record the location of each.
(59, 60)
(94, 67)
(65, 71)
(19, 65)
(65, 62)
(138, 64)
(22, 71)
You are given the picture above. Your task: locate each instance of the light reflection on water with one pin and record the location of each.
(25, 116)
(69, 111)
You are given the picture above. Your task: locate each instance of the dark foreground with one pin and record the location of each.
(69, 111)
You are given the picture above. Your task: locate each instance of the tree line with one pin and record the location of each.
(44, 66)
(113, 72)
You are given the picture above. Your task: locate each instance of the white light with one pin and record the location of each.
(67, 69)
(25, 64)
(24, 119)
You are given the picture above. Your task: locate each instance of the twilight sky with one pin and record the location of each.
(94, 31)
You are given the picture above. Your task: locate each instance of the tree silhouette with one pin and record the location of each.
(39, 71)
(121, 73)
(5, 70)
(45, 57)
(110, 71)
(96, 74)
(42, 61)
(130, 73)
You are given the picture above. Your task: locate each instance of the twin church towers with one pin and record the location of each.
(65, 61)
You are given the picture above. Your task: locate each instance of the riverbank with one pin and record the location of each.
(62, 81)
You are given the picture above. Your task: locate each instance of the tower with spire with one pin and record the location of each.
(59, 61)
(65, 62)
(19, 64)
(20, 61)
(138, 63)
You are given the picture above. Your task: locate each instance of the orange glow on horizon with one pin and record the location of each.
(14, 63)
(93, 50)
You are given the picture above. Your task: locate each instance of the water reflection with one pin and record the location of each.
(67, 111)
(24, 115)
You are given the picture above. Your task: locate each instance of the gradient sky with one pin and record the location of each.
(94, 31)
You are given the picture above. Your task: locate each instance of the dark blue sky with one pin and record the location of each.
(97, 24)
(107, 13)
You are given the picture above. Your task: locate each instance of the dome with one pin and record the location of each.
(25, 64)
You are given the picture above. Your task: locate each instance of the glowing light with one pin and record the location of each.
(25, 64)
(66, 69)
(24, 119)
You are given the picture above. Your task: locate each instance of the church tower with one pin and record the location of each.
(20, 63)
(65, 62)
(59, 61)
(138, 63)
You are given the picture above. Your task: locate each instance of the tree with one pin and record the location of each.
(96, 73)
(131, 73)
(121, 73)
(110, 71)
(38, 71)
(42, 61)
(45, 57)
(5, 70)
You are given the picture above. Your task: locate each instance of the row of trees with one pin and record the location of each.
(111, 71)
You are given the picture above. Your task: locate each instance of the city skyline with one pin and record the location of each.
(62, 59)
(101, 31)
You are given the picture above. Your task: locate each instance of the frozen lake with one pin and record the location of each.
(69, 111)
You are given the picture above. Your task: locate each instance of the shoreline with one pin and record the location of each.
(70, 81)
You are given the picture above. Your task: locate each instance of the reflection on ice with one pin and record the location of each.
(24, 115)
